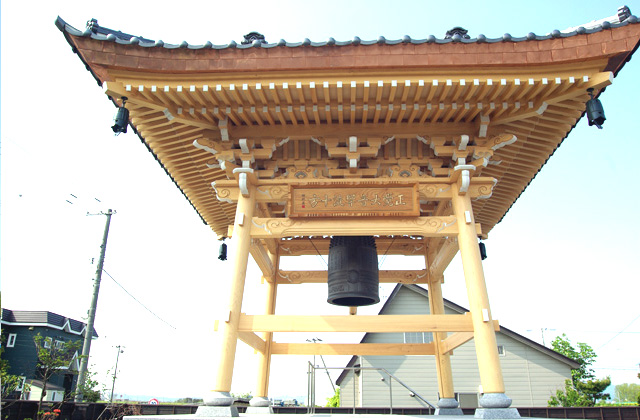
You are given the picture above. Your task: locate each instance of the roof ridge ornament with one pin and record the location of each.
(458, 30)
(253, 36)
(92, 25)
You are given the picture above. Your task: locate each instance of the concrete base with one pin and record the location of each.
(259, 410)
(212, 411)
(497, 413)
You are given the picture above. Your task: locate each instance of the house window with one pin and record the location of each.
(21, 383)
(11, 340)
(502, 351)
(59, 344)
(47, 342)
(418, 337)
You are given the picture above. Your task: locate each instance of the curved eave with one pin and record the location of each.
(138, 66)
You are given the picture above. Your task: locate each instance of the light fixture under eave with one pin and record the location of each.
(595, 111)
(483, 251)
(121, 120)
(222, 255)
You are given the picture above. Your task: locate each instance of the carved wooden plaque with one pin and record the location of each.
(354, 201)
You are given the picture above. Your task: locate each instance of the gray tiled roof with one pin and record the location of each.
(95, 31)
(54, 320)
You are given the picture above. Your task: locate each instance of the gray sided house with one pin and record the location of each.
(18, 330)
(532, 372)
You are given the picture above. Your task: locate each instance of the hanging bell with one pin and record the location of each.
(353, 271)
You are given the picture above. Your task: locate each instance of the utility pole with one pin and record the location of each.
(88, 334)
(115, 372)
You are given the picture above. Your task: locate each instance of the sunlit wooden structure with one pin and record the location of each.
(424, 143)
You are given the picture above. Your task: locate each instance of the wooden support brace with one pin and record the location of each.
(252, 340)
(355, 323)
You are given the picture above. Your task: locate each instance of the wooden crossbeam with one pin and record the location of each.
(385, 276)
(363, 349)
(315, 246)
(346, 130)
(277, 191)
(355, 323)
(263, 228)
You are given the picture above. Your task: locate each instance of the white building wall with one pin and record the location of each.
(530, 376)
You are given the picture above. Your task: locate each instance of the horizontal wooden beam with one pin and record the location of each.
(385, 246)
(252, 340)
(263, 228)
(429, 189)
(355, 323)
(345, 130)
(385, 276)
(361, 349)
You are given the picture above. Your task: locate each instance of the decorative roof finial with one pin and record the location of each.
(457, 31)
(623, 13)
(92, 25)
(253, 36)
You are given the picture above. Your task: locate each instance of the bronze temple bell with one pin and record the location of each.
(353, 271)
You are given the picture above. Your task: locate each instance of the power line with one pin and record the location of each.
(134, 298)
(620, 332)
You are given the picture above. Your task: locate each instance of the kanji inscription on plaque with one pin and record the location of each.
(346, 201)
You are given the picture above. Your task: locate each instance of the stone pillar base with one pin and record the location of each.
(448, 407)
(496, 406)
(216, 411)
(218, 399)
(259, 405)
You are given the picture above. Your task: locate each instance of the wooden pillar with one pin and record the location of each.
(264, 359)
(443, 361)
(240, 241)
(484, 334)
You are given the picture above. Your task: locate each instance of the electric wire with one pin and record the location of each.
(384, 257)
(134, 298)
(619, 332)
(319, 254)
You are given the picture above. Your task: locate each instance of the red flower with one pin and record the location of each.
(57, 410)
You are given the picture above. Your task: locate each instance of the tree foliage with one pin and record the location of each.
(88, 389)
(627, 392)
(53, 359)
(335, 400)
(583, 390)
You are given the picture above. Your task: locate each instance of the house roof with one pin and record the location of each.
(44, 319)
(256, 40)
(50, 386)
(447, 303)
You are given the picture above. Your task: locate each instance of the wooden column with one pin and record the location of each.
(240, 241)
(443, 361)
(264, 359)
(484, 334)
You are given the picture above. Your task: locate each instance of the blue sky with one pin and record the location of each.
(564, 258)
